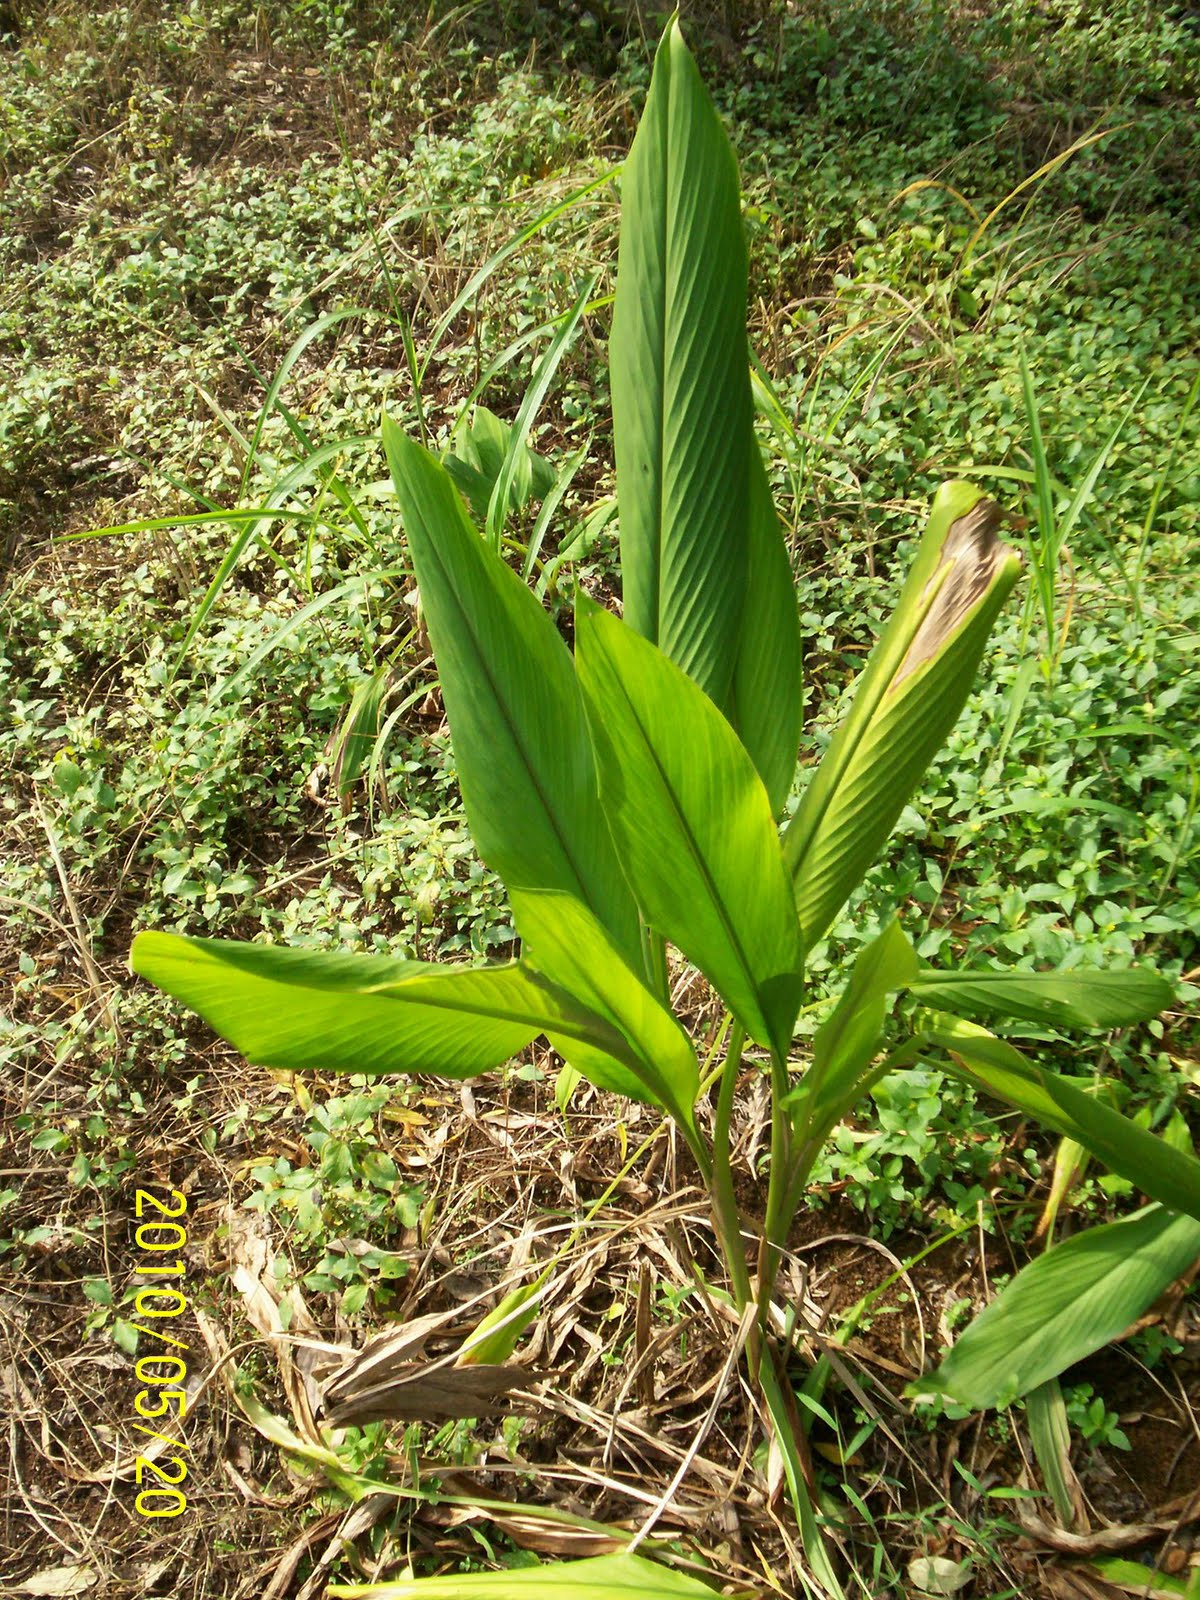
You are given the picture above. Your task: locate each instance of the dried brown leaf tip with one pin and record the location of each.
(974, 554)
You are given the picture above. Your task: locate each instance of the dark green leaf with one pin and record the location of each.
(767, 702)
(520, 738)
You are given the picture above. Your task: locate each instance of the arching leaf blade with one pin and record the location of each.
(1159, 1170)
(291, 1008)
(1075, 999)
(562, 940)
(516, 719)
(1065, 1305)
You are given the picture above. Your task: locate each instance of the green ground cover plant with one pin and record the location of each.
(630, 801)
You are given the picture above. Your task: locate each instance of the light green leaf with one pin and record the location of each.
(360, 1013)
(1068, 1303)
(682, 417)
(619, 1577)
(563, 941)
(847, 1041)
(1079, 999)
(1157, 1168)
(496, 1335)
(692, 823)
(1050, 1436)
(907, 700)
(520, 739)
(767, 700)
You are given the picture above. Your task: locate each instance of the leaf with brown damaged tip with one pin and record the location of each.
(907, 700)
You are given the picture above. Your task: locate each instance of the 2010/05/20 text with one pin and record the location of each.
(164, 1374)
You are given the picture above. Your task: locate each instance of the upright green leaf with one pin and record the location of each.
(363, 1013)
(847, 1041)
(1068, 1303)
(907, 700)
(1050, 1436)
(1079, 999)
(562, 940)
(520, 738)
(1159, 1170)
(767, 700)
(680, 378)
(692, 823)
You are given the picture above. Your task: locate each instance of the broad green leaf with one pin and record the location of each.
(1078, 999)
(1156, 1167)
(561, 939)
(847, 1041)
(360, 1013)
(520, 738)
(619, 1577)
(767, 700)
(692, 823)
(908, 698)
(682, 417)
(1068, 1303)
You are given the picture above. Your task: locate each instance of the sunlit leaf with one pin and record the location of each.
(907, 700)
(693, 824)
(1078, 999)
(682, 416)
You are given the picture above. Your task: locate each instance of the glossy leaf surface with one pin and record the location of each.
(693, 824)
(680, 378)
(361, 1013)
(565, 943)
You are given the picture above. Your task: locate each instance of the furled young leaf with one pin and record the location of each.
(908, 698)
(352, 1013)
(846, 1042)
(767, 700)
(520, 739)
(1050, 1436)
(497, 1333)
(1156, 1167)
(680, 378)
(619, 1577)
(1068, 1303)
(561, 939)
(1079, 999)
(478, 460)
(692, 823)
